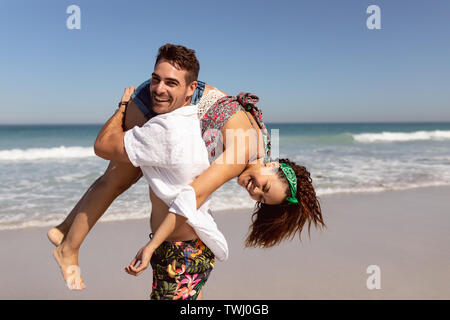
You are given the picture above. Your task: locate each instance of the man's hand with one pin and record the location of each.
(143, 256)
(127, 94)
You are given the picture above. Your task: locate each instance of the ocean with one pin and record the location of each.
(45, 169)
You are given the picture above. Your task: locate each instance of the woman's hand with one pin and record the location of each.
(143, 256)
(127, 94)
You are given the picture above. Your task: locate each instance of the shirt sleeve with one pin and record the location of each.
(185, 204)
(149, 145)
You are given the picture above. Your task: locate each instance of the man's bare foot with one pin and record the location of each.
(56, 236)
(68, 263)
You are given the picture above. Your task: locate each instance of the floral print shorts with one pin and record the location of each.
(180, 269)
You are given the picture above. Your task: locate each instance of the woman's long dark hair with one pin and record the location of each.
(273, 223)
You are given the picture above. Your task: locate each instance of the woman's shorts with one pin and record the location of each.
(180, 269)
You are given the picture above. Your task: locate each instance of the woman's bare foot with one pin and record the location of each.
(56, 236)
(68, 263)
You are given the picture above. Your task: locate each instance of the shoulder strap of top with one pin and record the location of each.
(253, 126)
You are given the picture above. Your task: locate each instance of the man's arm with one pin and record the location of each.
(109, 144)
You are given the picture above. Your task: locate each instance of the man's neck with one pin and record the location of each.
(186, 103)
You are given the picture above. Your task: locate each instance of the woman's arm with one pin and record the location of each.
(142, 259)
(226, 167)
(230, 163)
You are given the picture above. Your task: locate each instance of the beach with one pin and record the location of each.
(404, 233)
(355, 93)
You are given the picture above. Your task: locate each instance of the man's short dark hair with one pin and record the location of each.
(181, 58)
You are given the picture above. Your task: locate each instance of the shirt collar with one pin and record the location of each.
(185, 110)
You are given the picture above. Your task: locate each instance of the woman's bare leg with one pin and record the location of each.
(119, 184)
(69, 235)
(92, 206)
(56, 234)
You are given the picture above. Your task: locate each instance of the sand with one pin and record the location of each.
(404, 233)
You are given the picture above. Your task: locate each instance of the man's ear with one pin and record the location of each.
(191, 88)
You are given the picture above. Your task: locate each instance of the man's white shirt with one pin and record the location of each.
(171, 153)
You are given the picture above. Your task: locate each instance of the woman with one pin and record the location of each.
(282, 210)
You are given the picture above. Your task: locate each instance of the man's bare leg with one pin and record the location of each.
(69, 235)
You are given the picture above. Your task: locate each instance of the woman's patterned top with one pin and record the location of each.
(217, 116)
(207, 100)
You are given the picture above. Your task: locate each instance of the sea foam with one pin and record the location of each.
(61, 152)
(402, 136)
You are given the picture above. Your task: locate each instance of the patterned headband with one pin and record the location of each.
(292, 179)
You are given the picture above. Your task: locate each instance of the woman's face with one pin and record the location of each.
(262, 183)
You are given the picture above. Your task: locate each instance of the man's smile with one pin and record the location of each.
(160, 99)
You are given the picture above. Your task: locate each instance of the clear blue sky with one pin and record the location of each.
(308, 61)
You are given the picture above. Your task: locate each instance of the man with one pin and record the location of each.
(164, 149)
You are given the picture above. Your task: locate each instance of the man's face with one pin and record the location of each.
(168, 88)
